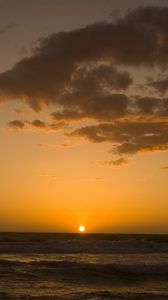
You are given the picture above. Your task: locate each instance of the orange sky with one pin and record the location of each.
(83, 130)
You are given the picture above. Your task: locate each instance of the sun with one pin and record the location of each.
(82, 228)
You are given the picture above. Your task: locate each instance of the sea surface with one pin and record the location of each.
(83, 266)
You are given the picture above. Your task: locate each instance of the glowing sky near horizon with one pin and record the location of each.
(83, 115)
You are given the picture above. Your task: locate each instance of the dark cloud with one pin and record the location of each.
(16, 124)
(148, 105)
(128, 137)
(39, 123)
(101, 76)
(160, 85)
(100, 106)
(89, 73)
(138, 39)
(35, 125)
(117, 162)
(90, 94)
(107, 107)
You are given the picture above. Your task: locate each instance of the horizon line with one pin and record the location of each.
(84, 233)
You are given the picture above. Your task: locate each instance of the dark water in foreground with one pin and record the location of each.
(72, 266)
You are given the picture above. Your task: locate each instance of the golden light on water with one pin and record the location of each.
(82, 229)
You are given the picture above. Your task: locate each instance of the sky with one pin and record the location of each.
(84, 115)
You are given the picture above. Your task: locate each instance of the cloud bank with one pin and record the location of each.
(89, 74)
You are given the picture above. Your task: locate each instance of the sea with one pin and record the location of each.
(42, 266)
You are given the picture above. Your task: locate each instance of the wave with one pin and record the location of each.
(85, 272)
(52, 267)
(75, 243)
(101, 295)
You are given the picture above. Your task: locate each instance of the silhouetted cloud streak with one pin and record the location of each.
(128, 137)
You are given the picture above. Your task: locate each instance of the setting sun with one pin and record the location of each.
(84, 149)
(82, 228)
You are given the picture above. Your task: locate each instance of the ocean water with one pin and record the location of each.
(87, 266)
